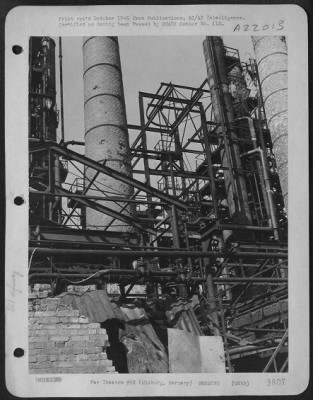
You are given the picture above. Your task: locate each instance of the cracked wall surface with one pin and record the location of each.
(61, 340)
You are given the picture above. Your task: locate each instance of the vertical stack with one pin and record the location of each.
(63, 341)
(272, 59)
(106, 134)
(222, 104)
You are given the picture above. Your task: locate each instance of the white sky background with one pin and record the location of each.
(146, 62)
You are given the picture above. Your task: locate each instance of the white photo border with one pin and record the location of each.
(25, 21)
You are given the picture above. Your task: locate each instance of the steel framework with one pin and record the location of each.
(184, 232)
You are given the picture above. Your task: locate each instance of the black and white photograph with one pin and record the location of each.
(158, 232)
(161, 245)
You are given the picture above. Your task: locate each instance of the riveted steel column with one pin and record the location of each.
(272, 60)
(106, 135)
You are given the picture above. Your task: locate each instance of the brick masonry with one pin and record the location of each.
(61, 340)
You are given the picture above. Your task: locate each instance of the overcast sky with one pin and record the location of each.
(146, 62)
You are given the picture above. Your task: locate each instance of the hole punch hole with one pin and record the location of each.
(17, 49)
(18, 200)
(18, 352)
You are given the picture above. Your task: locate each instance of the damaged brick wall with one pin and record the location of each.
(63, 341)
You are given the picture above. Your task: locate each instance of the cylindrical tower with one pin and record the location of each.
(106, 135)
(223, 110)
(43, 123)
(42, 89)
(272, 59)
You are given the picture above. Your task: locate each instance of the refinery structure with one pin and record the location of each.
(168, 251)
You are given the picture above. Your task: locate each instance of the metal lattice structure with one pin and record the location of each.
(185, 232)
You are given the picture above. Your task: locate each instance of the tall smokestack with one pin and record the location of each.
(271, 56)
(224, 114)
(106, 135)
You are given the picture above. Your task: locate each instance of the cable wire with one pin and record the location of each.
(31, 257)
(83, 280)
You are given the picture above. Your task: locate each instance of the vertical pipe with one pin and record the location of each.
(209, 159)
(260, 168)
(272, 60)
(61, 88)
(174, 226)
(173, 183)
(106, 134)
(30, 70)
(236, 191)
(144, 143)
(212, 304)
(179, 151)
(267, 185)
(224, 332)
(58, 182)
(49, 89)
(51, 184)
(270, 195)
(143, 135)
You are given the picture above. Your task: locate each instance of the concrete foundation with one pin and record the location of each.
(106, 134)
(272, 59)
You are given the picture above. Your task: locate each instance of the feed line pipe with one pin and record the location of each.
(254, 144)
(152, 253)
(251, 280)
(268, 190)
(179, 276)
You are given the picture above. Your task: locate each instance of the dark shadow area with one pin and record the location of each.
(116, 351)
